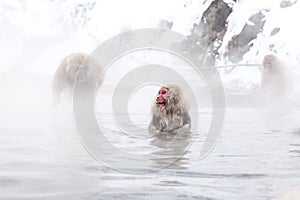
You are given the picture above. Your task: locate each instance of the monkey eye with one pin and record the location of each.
(162, 91)
(267, 63)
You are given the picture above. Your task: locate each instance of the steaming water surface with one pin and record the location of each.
(256, 157)
(42, 157)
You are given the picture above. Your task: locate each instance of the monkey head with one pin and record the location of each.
(162, 98)
(268, 64)
(77, 68)
(168, 98)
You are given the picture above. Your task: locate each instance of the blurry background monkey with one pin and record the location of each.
(76, 65)
(276, 78)
(170, 112)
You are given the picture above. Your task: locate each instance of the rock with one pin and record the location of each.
(165, 24)
(210, 31)
(287, 3)
(275, 31)
(241, 43)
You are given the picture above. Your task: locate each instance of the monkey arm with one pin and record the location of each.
(152, 129)
(186, 124)
(186, 118)
(183, 129)
(58, 85)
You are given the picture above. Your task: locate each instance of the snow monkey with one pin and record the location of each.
(76, 66)
(276, 78)
(170, 112)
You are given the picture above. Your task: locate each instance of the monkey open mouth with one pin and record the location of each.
(162, 105)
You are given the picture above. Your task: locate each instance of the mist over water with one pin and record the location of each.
(42, 154)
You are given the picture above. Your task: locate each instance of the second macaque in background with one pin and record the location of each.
(78, 67)
(277, 80)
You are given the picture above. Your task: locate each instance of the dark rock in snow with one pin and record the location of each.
(241, 43)
(275, 31)
(210, 31)
(287, 3)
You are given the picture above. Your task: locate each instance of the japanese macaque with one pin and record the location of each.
(170, 112)
(78, 67)
(276, 78)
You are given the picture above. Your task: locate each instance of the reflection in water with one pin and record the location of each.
(172, 149)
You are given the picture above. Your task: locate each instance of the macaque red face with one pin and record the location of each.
(161, 98)
(170, 111)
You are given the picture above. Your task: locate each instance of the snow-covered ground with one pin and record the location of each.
(33, 32)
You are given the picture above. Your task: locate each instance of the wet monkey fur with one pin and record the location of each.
(76, 65)
(170, 111)
(276, 78)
